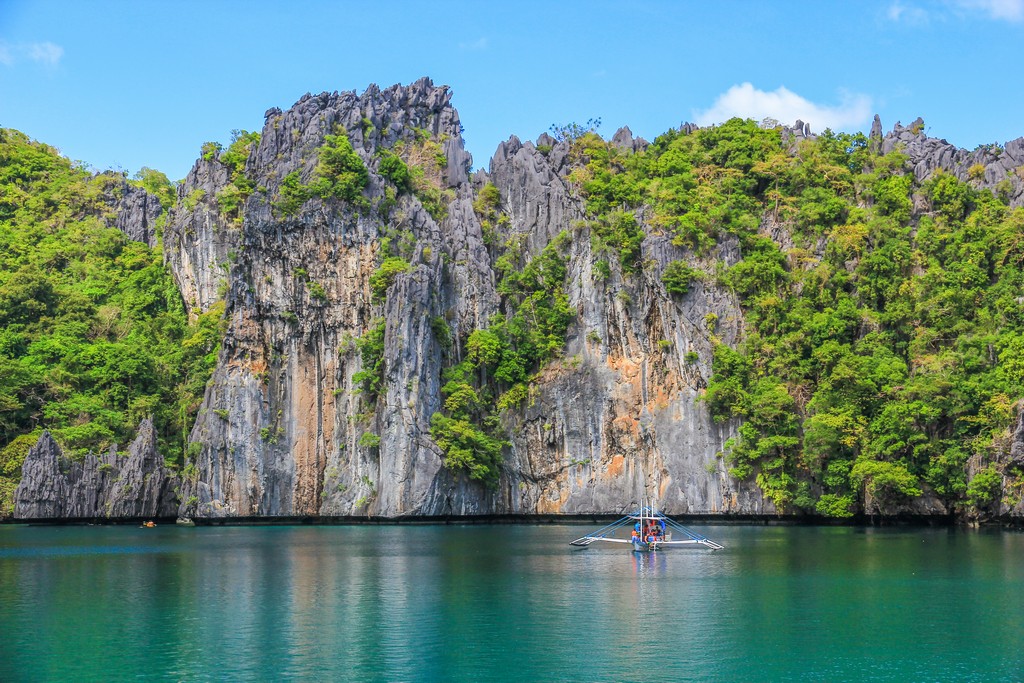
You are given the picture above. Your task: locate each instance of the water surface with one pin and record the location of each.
(508, 603)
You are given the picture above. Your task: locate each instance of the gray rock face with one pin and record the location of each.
(1017, 442)
(116, 486)
(1012, 502)
(283, 427)
(43, 491)
(141, 485)
(875, 137)
(130, 209)
(198, 242)
(617, 420)
(282, 422)
(998, 166)
(137, 212)
(623, 139)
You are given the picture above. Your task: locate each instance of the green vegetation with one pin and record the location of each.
(487, 207)
(292, 194)
(678, 276)
(371, 350)
(882, 345)
(419, 166)
(880, 352)
(156, 183)
(442, 332)
(339, 174)
(316, 292)
(233, 196)
(93, 333)
(389, 269)
(369, 440)
(394, 169)
(984, 487)
(499, 360)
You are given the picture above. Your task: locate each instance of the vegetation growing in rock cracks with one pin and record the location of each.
(496, 370)
(233, 196)
(339, 174)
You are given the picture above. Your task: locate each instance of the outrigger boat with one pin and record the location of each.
(651, 531)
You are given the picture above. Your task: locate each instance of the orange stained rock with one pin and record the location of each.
(547, 505)
(312, 411)
(616, 467)
(627, 424)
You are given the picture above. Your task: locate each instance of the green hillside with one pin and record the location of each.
(883, 346)
(93, 333)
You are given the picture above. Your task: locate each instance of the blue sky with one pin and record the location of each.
(129, 84)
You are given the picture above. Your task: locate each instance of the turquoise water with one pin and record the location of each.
(508, 603)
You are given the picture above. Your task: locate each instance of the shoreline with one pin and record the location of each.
(513, 519)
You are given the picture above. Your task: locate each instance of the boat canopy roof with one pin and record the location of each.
(646, 513)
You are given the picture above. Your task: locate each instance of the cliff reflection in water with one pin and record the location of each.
(490, 603)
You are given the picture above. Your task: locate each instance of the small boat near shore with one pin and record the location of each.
(647, 530)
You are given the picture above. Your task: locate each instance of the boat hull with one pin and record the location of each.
(644, 547)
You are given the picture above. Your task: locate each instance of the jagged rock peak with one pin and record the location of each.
(875, 137)
(623, 138)
(992, 167)
(42, 493)
(138, 485)
(137, 212)
(374, 119)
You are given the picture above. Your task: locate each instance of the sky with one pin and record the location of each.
(122, 85)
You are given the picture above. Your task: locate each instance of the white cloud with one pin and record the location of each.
(908, 14)
(996, 10)
(1004, 10)
(45, 53)
(786, 106)
(478, 44)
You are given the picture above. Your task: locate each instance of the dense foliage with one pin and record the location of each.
(93, 333)
(883, 344)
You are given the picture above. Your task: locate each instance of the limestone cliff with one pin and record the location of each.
(996, 167)
(283, 421)
(616, 419)
(286, 429)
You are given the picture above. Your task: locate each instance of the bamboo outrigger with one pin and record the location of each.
(652, 531)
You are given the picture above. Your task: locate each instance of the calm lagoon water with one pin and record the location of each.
(508, 603)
